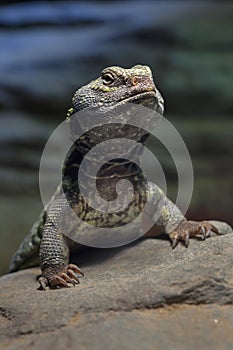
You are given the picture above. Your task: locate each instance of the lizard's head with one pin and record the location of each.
(118, 85)
(120, 93)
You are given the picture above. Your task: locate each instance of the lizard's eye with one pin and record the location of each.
(108, 78)
(134, 81)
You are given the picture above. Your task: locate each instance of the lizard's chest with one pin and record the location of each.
(110, 201)
(113, 197)
(101, 223)
(123, 206)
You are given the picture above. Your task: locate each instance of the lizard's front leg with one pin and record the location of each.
(54, 253)
(171, 221)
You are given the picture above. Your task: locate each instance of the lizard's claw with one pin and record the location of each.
(190, 229)
(60, 277)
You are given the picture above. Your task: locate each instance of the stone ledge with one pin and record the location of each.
(122, 295)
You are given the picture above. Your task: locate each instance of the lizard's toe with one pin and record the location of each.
(43, 282)
(63, 277)
(73, 276)
(204, 230)
(76, 269)
(179, 236)
(69, 279)
(58, 281)
(194, 229)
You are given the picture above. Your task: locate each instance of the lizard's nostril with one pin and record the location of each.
(150, 89)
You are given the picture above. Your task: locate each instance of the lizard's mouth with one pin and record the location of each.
(147, 98)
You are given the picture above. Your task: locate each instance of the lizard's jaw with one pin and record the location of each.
(148, 99)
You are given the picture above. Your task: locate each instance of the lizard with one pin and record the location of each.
(47, 243)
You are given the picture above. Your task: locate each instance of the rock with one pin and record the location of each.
(143, 296)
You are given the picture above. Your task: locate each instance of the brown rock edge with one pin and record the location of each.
(143, 296)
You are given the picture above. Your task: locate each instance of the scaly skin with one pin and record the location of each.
(115, 87)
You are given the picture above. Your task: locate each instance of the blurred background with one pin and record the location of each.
(50, 48)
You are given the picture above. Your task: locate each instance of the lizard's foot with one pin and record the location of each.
(188, 229)
(56, 276)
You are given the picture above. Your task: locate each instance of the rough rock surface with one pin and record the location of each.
(144, 296)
